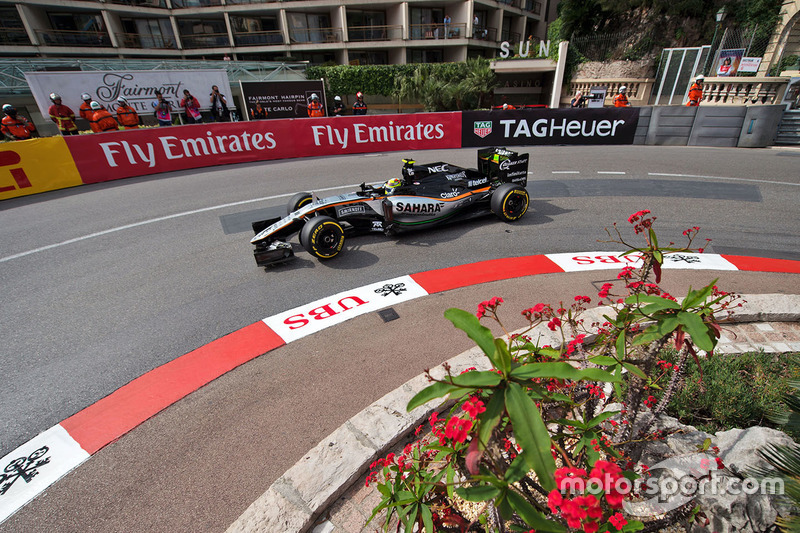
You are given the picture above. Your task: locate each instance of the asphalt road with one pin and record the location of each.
(105, 282)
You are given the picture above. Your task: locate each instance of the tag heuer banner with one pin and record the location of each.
(549, 126)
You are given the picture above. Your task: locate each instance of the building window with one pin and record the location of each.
(11, 29)
(425, 56)
(203, 33)
(147, 33)
(361, 57)
(310, 28)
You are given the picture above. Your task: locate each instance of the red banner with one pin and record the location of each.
(126, 153)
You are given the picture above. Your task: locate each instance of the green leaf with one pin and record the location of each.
(552, 353)
(559, 370)
(621, 345)
(654, 242)
(694, 298)
(427, 518)
(660, 329)
(695, 327)
(469, 324)
(503, 356)
(451, 474)
(465, 383)
(490, 418)
(633, 525)
(531, 434)
(479, 493)
(664, 304)
(411, 517)
(635, 370)
(532, 516)
(603, 360)
(599, 419)
(644, 299)
(658, 255)
(516, 470)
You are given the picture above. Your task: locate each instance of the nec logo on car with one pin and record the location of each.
(482, 128)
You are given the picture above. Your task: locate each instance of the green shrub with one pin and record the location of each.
(735, 391)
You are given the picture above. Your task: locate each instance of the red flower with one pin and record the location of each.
(720, 464)
(618, 521)
(473, 407)
(457, 429)
(554, 323)
(639, 214)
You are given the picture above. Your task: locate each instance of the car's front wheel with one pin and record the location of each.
(510, 202)
(297, 201)
(322, 237)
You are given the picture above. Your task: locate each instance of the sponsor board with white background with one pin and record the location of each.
(137, 86)
(579, 262)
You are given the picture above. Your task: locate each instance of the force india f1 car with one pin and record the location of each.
(427, 195)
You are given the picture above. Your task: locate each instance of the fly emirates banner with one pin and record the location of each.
(122, 154)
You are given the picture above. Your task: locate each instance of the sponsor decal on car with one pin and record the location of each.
(451, 194)
(508, 163)
(438, 168)
(377, 225)
(460, 176)
(421, 208)
(358, 209)
(476, 183)
(482, 128)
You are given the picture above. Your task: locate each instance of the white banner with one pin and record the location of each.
(316, 316)
(137, 86)
(583, 261)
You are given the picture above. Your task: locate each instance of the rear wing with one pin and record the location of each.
(504, 165)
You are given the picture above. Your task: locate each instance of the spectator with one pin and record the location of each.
(15, 127)
(578, 101)
(359, 107)
(163, 110)
(192, 108)
(696, 92)
(258, 113)
(63, 116)
(446, 21)
(219, 105)
(85, 110)
(226, 57)
(102, 119)
(314, 107)
(126, 115)
(621, 100)
(338, 106)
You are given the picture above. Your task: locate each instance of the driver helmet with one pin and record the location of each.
(122, 101)
(86, 97)
(623, 89)
(54, 97)
(96, 106)
(392, 185)
(314, 97)
(9, 110)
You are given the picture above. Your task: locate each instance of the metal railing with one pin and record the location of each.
(205, 40)
(315, 35)
(510, 36)
(135, 40)
(512, 3)
(140, 3)
(532, 6)
(258, 38)
(14, 36)
(440, 30)
(484, 33)
(239, 2)
(195, 3)
(73, 38)
(374, 33)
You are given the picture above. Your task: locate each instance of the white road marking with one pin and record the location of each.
(566, 172)
(721, 178)
(610, 172)
(159, 219)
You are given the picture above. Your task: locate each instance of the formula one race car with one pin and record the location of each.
(425, 196)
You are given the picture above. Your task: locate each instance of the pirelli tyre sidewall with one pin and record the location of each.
(510, 202)
(322, 237)
(297, 201)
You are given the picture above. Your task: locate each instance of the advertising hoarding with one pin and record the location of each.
(281, 99)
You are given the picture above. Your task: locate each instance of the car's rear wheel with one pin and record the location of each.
(322, 237)
(510, 202)
(297, 201)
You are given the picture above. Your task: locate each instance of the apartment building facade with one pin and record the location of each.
(317, 31)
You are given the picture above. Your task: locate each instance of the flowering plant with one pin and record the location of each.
(533, 443)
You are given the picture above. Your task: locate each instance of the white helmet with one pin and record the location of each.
(122, 100)
(96, 105)
(623, 89)
(86, 97)
(314, 96)
(337, 98)
(700, 78)
(505, 106)
(55, 96)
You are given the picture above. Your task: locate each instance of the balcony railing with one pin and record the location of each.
(237, 2)
(316, 35)
(14, 36)
(510, 36)
(205, 40)
(484, 33)
(532, 6)
(437, 31)
(743, 91)
(74, 38)
(134, 40)
(140, 3)
(374, 33)
(195, 3)
(258, 38)
(512, 3)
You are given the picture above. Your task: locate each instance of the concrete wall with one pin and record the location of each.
(670, 125)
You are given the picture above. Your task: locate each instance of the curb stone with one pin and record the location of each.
(296, 499)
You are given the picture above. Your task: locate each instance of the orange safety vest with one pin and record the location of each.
(17, 127)
(621, 101)
(103, 121)
(315, 110)
(63, 116)
(128, 117)
(85, 111)
(695, 95)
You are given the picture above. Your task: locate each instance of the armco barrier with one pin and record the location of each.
(36, 165)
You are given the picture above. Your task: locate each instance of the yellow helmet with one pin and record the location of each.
(392, 184)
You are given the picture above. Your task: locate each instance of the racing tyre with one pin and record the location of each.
(510, 202)
(322, 237)
(297, 201)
